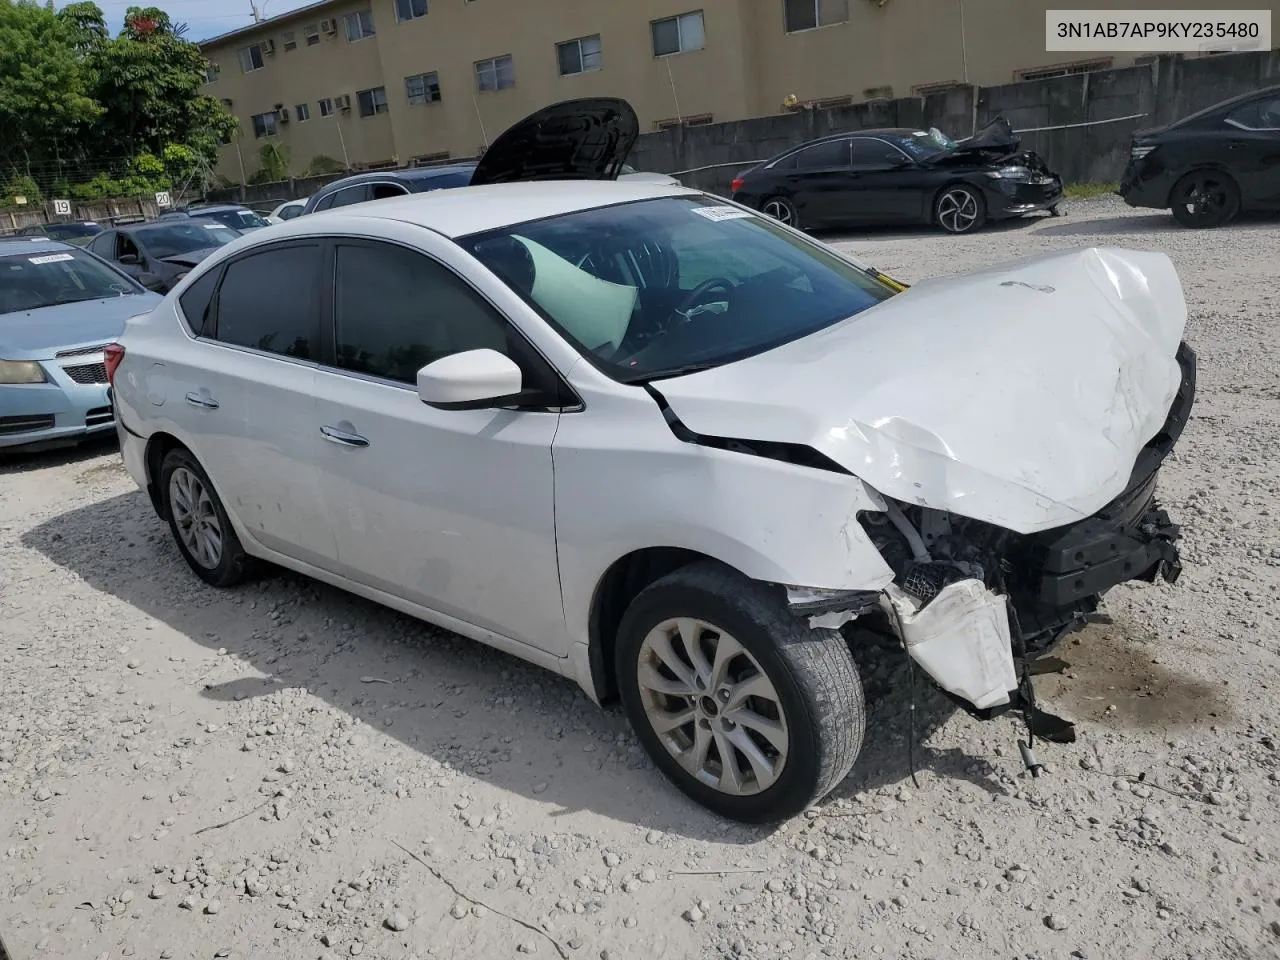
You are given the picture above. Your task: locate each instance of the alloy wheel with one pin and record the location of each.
(712, 706)
(957, 210)
(195, 517)
(780, 211)
(1205, 196)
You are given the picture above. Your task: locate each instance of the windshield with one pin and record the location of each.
(926, 143)
(239, 219)
(176, 238)
(29, 281)
(665, 286)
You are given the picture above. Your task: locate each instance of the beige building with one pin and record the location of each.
(377, 82)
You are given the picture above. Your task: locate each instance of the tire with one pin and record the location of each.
(1204, 199)
(959, 208)
(782, 210)
(187, 490)
(810, 700)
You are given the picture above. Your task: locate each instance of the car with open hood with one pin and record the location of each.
(902, 176)
(668, 447)
(1212, 165)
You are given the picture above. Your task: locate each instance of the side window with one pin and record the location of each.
(350, 195)
(821, 156)
(869, 152)
(383, 190)
(1258, 115)
(198, 298)
(395, 311)
(269, 301)
(104, 245)
(125, 246)
(324, 203)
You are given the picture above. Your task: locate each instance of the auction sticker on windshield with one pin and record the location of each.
(51, 258)
(722, 213)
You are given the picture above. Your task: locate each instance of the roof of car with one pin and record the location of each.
(467, 210)
(34, 245)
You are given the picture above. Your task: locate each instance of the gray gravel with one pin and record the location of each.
(278, 770)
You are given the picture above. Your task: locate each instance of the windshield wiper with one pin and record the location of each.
(675, 372)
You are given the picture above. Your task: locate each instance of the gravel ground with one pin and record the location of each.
(286, 771)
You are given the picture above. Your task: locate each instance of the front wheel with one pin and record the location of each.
(782, 210)
(960, 208)
(1204, 199)
(748, 710)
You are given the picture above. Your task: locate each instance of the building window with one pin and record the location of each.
(251, 58)
(1062, 70)
(498, 73)
(807, 14)
(372, 101)
(424, 88)
(326, 107)
(579, 56)
(264, 125)
(210, 72)
(290, 40)
(359, 25)
(410, 9)
(678, 34)
(303, 111)
(312, 33)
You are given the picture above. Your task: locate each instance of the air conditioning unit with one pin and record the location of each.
(328, 26)
(342, 101)
(282, 116)
(268, 46)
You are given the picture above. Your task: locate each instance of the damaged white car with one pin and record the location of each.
(666, 446)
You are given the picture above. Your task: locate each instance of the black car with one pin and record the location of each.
(160, 253)
(229, 215)
(1212, 165)
(902, 175)
(78, 232)
(389, 183)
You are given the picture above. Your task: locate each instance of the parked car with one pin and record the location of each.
(160, 253)
(287, 211)
(59, 308)
(665, 446)
(229, 215)
(629, 172)
(388, 183)
(900, 176)
(76, 232)
(1212, 165)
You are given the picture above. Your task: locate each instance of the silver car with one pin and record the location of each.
(59, 307)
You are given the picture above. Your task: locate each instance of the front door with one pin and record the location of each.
(449, 509)
(1252, 151)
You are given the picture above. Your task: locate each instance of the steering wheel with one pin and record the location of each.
(701, 290)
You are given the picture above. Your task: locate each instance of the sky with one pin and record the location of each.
(206, 18)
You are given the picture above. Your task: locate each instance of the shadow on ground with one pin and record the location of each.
(1143, 224)
(887, 234)
(447, 696)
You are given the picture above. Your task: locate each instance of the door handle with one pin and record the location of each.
(334, 435)
(198, 400)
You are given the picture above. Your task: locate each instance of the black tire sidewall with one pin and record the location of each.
(231, 565)
(978, 224)
(1222, 218)
(795, 787)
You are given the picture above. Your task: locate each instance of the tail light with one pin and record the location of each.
(111, 357)
(738, 184)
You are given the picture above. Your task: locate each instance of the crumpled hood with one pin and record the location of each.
(39, 334)
(190, 258)
(1020, 395)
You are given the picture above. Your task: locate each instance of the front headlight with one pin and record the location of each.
(1137, 152)
(1013, 172)
(21, 371)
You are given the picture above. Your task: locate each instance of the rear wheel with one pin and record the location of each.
(199, 523)
(1204, 199)
(782, 210)
(744, 707)
(960, 208)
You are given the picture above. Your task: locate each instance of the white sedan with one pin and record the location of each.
(669, 448)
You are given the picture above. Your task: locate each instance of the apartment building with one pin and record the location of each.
(382, 82)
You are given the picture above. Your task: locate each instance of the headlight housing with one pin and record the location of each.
(1014, 171)
(21, 371)
(1137, 152)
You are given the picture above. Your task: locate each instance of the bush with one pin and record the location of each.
(20, 185)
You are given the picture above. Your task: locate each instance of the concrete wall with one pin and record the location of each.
(1081, 149)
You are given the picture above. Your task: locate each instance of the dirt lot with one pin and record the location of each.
(285, 771)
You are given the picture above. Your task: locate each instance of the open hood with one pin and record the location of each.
(190, 258)
(1020, 395)
(587, 139)
(994, 141)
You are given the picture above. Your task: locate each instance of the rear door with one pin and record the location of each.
(819, 182)
(1252, 151)
(250, 397)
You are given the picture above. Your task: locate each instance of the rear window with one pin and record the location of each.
(30, 281)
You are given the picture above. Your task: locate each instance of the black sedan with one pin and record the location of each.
(1212, 165)
(78, 232)
(161, 253)
(901, 175)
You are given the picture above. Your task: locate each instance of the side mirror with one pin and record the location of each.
(130, 259)
(471, 380)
